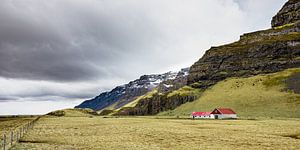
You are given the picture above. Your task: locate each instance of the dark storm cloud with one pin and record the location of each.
(34, 44)
(8, 98)
(68, 40)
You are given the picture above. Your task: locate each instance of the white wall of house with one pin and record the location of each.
(204, 117)
(226, 116)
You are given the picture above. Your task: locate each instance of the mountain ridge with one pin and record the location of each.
(123, 94)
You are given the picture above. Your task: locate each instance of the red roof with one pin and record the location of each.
(200, 113)
(223, 111)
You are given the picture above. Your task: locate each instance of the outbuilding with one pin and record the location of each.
(224, 113)
(202, 115)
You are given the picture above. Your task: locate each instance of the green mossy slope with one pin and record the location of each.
(258, 96)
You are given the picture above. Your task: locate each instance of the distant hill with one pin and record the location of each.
(77, 112)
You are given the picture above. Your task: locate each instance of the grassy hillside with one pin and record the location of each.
(111, 109)
(271, 95)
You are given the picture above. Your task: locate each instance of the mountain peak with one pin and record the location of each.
(289, 13)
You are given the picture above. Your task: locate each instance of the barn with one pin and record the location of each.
(203, 115)
(224, 113)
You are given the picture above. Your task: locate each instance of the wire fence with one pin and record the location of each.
(12, 137)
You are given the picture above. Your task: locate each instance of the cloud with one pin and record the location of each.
(74, 49)
(34, 107)
(76, 40)
(15, 89)
(260, 11)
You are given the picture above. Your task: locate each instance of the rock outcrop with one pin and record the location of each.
(289, 13)
(158, 102)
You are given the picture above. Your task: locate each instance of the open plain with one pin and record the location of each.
(160, 133)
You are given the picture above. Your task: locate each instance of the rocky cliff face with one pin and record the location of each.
(255, 53)
(124, 94)
(289, 13)
(158, 102)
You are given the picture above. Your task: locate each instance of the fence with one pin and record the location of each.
(12, 137)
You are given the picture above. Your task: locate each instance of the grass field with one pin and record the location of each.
(151, 133)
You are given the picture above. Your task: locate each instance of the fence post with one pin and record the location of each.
(16, 135)
(4, 142)
(20, 133)
(11, 138)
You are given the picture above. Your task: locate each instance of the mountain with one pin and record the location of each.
(122, 95)
(257, 76)
(254, 76)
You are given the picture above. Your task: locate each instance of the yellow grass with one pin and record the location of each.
(8, 124)
(12, 123)
(150, 133)
(185, 91)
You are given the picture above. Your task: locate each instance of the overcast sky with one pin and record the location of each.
(56, 53)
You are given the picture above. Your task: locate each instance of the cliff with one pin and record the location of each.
(255, 53)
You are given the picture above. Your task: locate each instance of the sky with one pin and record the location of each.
(55, 54)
